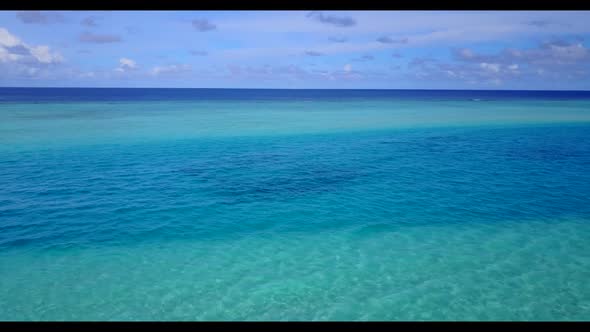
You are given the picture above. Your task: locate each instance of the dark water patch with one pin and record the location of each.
(288, 186)
(215, 189)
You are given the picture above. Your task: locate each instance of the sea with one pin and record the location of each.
(294, 205)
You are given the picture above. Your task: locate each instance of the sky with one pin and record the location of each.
(542, 50)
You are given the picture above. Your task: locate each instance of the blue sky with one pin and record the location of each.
(297, 49)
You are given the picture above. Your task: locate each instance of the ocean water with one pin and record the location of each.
(187, 204)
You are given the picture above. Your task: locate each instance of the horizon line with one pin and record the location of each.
(344, 89)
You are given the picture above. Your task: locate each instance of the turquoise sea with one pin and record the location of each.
(206, 204)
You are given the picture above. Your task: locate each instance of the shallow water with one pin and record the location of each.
(304, 208)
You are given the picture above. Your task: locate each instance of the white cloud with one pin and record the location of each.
(5, 56)
(13, 50)
(556, 60)
(347, 67)
(7, 39)
(568, 53)
(44, 55)
(125, 65)
(491, 67)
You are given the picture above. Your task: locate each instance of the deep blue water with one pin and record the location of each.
(178, 204)
(166, 94)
